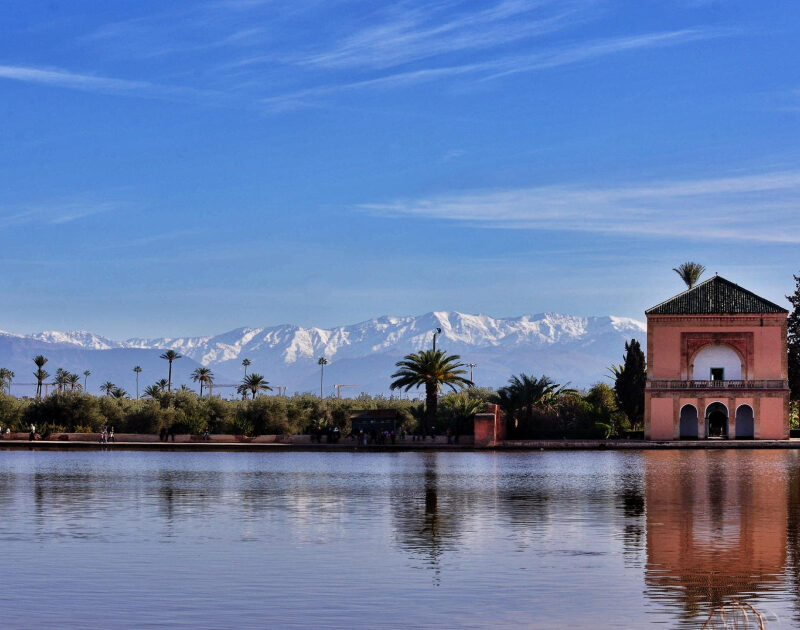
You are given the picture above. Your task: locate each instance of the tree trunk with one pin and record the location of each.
(169, 378)
(431, 402)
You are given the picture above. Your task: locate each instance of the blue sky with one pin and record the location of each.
(186, 169)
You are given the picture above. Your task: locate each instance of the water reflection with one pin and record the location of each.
(425, 524)
(716, 528)
(342, 540)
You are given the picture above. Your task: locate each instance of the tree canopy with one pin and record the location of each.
(690, 272)
(794, 341)
(630, 381)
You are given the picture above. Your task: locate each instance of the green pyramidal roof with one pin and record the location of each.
(716, 296)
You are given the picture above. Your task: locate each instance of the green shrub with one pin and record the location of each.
(240, 425)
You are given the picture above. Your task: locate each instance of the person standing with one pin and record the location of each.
(32, 435)
(111, 435)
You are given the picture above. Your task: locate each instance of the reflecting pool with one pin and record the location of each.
(128, 539)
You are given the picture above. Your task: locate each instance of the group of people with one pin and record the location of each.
(365, 438)
(166, 433)
(107, 435)
(332, 434)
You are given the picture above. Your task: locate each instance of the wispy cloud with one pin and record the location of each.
(57, 212)
(406, 35)
(105, 85)
(729, 208)
(496, 68)
(62, 78)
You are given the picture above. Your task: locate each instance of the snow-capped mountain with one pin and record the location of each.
(566, 347)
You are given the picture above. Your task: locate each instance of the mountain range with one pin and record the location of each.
(568, 348)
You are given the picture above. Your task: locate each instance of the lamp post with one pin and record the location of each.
(436, 331)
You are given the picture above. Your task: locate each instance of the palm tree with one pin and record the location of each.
(74, 380)
(170, 355)
(118, 392)
(690, 272)
(254, 383)
(321, 362)
(6, 376)
(525, 394)
(108, 387)
(245, 363)
(433, 369)
(462, 408)
(203, 375)
(86, 374)
(162, 384)
(152, 391)
(39, 360)
(137, 370)
(60, 379)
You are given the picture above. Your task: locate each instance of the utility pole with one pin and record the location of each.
(470, 366)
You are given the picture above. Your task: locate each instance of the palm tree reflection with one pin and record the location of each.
(426, 520)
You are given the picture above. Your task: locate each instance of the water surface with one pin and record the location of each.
(127, 539)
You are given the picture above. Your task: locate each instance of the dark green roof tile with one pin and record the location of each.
(716, 296)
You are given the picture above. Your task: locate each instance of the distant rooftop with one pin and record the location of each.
(716, 296)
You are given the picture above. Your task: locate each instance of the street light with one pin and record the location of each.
(436, 331)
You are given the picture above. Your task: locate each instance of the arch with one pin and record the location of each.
(689, 423)
(745, 422)
(717, 420)
(717, 355)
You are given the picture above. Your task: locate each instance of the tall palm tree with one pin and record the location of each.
(6, 376)
(322, 362)
(170, 355)
(254, 383)
(86, 374)
(40, 374)
(246, 363)
(74, 380)
(137, 370)
(108, 387)
(431, 369)
(690, 272)
(203, 375)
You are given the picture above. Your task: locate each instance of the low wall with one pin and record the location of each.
(150, 437)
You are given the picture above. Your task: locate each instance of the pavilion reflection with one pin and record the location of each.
(713, 537)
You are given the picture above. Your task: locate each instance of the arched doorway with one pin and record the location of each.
(745, 423)
(689, 422)
(717, 420)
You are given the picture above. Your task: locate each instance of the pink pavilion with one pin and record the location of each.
(717, 366)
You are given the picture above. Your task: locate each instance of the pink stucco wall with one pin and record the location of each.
(772, 419)
(665, 344)
(661, 422)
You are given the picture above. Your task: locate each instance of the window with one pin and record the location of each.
(717, 374)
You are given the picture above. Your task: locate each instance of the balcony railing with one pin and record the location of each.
(754, 384)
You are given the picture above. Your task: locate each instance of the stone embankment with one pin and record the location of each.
(217, 442)
(303, 442)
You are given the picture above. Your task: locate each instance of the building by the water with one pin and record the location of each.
(717, 366)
